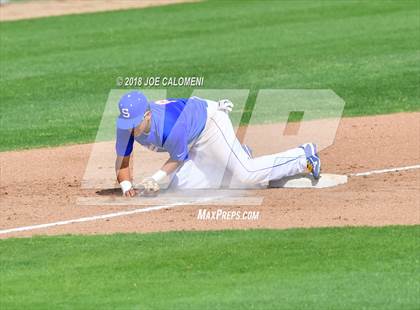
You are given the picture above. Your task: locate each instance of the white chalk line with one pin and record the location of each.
(93, 218)
(359, 174)
(86, 219)
(143, 201)
(155, 208)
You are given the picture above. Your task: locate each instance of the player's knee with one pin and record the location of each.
(245, 178)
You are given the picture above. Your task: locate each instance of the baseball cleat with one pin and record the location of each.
(310, 149)
(314, 165)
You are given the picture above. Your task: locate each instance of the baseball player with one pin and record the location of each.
(202, 145)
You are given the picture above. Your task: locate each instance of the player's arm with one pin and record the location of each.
(124, 148)
(178, 150)
(170, 166)
(122, 170)
(177, 147)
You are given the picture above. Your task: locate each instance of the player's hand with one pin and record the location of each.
(130, 193)
(225, 105)
(128, 189)
(149, 187)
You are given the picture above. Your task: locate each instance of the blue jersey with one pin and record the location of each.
(175, 123)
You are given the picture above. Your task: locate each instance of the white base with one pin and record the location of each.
(307, 181)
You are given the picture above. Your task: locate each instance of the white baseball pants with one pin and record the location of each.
(217, 159)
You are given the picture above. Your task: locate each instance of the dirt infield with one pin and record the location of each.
(42, 186)
(43, 8)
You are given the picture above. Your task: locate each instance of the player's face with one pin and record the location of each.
(137, 131)
(144, 125)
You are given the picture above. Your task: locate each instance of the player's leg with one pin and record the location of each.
(201, 170)
(228, 151)
(218, 150)
(190, 175)
(261, 170)
(197, 172)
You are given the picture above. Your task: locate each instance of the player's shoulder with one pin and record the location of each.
(179, 100)
(171, 101)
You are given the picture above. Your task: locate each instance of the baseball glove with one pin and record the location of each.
(225, 105)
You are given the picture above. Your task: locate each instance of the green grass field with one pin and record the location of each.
(56, 72)
(347, 268)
